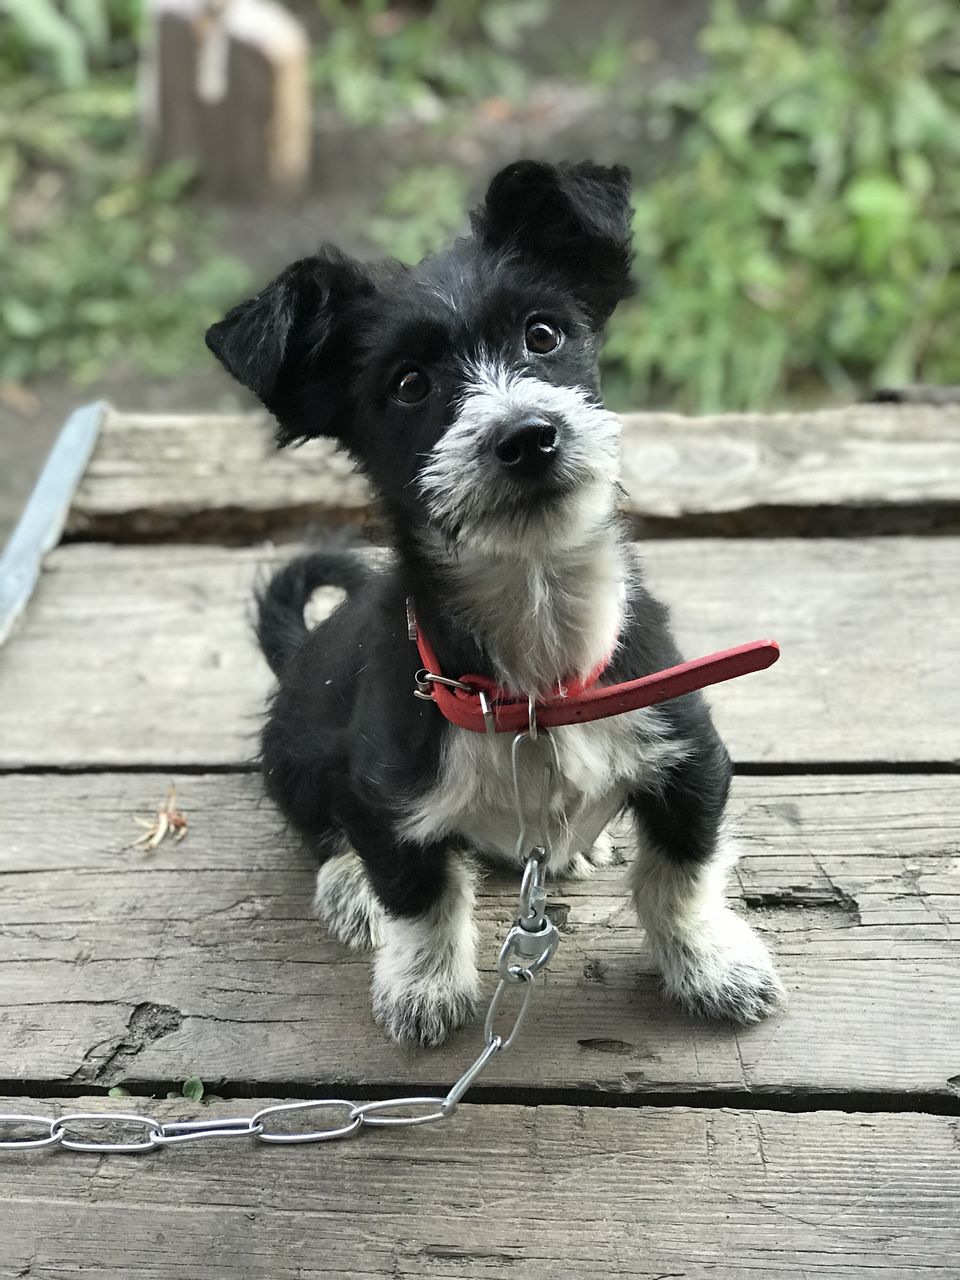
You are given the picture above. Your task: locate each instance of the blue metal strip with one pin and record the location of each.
(44, 516)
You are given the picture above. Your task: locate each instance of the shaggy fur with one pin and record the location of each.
(467, 389)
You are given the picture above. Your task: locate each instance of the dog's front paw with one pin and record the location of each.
(419, 1018)
(424, 985)
(420, 1010)
(723, 972)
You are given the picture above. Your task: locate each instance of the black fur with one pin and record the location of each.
(347, 748)
(281, 626)
(541, 210)
(346, 743)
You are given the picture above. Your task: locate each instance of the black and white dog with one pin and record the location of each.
(467, 390)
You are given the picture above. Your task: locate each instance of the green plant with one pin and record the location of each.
(192, 1089)
(99, 261)
(63, 40)
(420, 211)
(377, 61)
(806, 231)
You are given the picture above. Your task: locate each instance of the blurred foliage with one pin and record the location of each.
(806, 227)
(100, 261)
(420, 211)
(802, 236)
(378, 61)
(62, 41)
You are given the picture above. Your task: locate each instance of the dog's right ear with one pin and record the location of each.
(573, 219)
(291, 343)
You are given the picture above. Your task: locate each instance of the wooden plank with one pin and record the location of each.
(536, 1193)
(210, 475)
(42, 521)
(865, 469)
(203, 957)
(145, 655)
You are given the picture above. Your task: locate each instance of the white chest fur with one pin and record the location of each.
(473, 796)
(543, 618)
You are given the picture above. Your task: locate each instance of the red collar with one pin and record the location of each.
(577, 701)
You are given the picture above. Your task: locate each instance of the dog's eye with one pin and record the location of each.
(542, 337)
(410, 386)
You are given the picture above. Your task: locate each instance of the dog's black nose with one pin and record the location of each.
(527, 446)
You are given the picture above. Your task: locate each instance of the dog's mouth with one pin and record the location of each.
(501, 513)
(535, 492)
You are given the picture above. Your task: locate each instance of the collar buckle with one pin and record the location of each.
(424, 679)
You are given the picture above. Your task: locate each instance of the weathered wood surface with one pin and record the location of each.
(41, 524)
(861, 469)
(203, 957)
(544, 1193)
(145, 654)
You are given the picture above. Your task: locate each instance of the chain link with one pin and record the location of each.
(526, 950)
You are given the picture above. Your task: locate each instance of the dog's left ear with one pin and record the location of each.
(292, 344)
(573, 219)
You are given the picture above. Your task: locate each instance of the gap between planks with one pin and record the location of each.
(784, 1101)
(741, 768)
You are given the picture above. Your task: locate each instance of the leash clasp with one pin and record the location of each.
(534, 937)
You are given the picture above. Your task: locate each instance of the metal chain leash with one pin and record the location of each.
(526, 951)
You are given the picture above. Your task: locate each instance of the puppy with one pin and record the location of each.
(467, 389)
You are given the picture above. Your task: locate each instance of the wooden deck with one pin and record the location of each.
(618, 1138)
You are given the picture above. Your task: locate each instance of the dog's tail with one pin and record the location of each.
(281, 626)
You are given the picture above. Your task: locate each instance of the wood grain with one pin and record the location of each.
(864, 469)
(530, 1193)
(203, 958)
(145, 655)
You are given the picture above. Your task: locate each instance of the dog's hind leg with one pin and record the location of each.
(711, 960)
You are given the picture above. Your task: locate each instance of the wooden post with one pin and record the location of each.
(226, 83)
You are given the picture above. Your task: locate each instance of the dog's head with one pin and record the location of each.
(466, 386)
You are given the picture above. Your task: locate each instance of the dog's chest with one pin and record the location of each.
(473, 795)
(540, 622)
